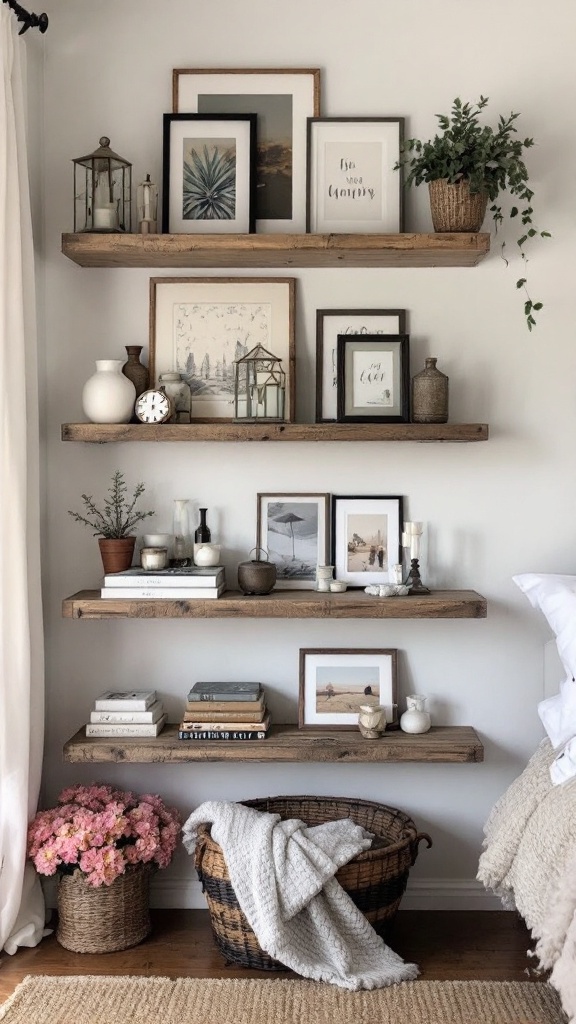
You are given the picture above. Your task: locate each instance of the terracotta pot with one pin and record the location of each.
(453, 208)
(116, 554)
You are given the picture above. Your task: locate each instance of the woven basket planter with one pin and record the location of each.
(375, 880)
(105, 918)
(453, 208)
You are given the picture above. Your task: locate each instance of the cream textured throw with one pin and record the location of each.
(283, 875)
(529, 860)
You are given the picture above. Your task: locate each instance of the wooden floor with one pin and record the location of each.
(487, 945)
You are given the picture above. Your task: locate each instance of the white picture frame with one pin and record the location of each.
(351, 182)
(334, 682)
(194, 319)
(293, 530)
(283, 99)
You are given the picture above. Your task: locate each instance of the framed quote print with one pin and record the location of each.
(373, 378)
(351, 182)
(282, 99)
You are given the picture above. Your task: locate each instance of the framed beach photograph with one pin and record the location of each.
(335, 682)
(366, 538)
(209, 173)
(351, 184)
(330, 323)
(283, 99)
(199, 326)
(293, 530)
(373, 378)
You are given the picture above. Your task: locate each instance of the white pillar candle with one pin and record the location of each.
(105, 217)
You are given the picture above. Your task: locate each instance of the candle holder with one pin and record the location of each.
(414, 582)
(411, 540)
(102, 191)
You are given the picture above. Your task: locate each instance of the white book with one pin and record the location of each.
(125, 700)
(160, 593)
(125, 728)
(193, 577)
(154, 712)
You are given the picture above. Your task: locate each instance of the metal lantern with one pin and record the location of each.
(102, 191)
(259, 386)
(147, 206)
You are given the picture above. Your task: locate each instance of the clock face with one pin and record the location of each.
(153, 407)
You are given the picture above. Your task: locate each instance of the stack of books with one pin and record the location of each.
(225, 711)
(205, 583)
(127, 713)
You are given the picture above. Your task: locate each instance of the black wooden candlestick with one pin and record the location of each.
(414, 583)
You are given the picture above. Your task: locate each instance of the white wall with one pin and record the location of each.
(493, 509)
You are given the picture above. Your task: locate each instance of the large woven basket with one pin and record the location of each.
(105, 918)
(454, 208)
(375, 880)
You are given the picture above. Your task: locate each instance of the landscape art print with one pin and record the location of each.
(367, 543)
(292, 530)
(366, 538)
(335, 683)
(201, 327)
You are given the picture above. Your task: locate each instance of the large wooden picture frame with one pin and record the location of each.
(283, 99)
(200, 325)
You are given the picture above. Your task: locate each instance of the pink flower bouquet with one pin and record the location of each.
(102, 831)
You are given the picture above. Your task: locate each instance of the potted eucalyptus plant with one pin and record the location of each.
(113, 523)
(466, 165)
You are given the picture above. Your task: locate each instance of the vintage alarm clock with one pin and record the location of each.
(154, 406)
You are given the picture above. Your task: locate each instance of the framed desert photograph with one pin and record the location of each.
(366, 538)
(293, 530)
(330, 323)
(335, 682)
(209, 173)
(283, 99)
(351, 182)
(373, 378)
(200, 326)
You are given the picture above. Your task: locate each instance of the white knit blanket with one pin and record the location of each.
(529, 860)
(283, 875)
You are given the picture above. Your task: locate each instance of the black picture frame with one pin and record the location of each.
(236, 204)
(380, 376)
(355, 517)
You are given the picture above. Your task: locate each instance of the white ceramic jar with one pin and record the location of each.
(207, 554)
(108, 396)
(415, 719)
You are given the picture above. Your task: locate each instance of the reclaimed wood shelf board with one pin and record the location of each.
(104, 432)
(457, 744)
(282, 604)
(342, 250)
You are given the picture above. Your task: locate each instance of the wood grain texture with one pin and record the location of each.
(104, 432)
(346, 250)
(455, 744)
(282, 604)
(446, 945)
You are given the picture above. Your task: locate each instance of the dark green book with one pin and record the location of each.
(225, 691)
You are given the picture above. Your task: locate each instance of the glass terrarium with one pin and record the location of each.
(259, 387)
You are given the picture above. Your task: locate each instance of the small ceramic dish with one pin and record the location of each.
(338, 586)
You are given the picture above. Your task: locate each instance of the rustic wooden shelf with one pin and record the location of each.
(342, 250)
(281, 604)
(455, 744)
(104, 432)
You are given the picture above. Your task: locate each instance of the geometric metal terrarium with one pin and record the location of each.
(259, 387)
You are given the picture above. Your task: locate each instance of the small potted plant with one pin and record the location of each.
(468, 164)
(103, 843)
(112, 524)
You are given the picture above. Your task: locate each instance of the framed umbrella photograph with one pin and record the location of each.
(209, 177)
(282, 99)
(293, 530)
(366, 538)
(351, 182)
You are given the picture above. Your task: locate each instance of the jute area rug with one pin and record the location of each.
(128, 1000)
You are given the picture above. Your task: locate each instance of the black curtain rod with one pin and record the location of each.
(28, 20)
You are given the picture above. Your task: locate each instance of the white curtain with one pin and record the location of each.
(21, 641)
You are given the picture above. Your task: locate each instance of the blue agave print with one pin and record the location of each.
(210, 185)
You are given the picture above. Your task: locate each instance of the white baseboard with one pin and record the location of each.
(421, 894)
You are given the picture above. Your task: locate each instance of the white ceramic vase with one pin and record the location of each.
(415, 719)
(108, 396)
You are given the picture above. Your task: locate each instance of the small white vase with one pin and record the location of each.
(415, 719)
(207, 554)
(108, 396)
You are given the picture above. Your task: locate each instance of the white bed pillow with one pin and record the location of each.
(555, 596)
